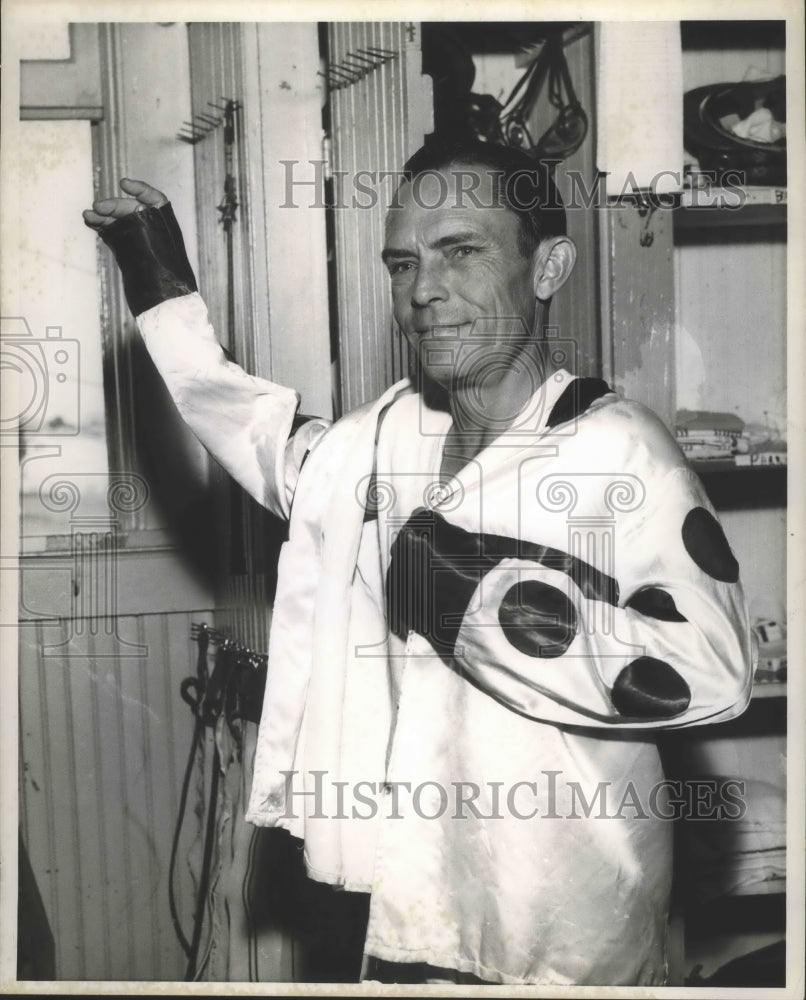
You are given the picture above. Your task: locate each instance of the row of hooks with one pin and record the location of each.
(204, 635)
(355, 66)
(203, 124)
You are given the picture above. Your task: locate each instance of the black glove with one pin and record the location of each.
(150, 252)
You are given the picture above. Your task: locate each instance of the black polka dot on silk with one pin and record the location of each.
(656, 603)
(538, 619)
(705, 542)
(649, 688)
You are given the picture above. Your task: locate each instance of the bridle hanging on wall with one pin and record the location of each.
(463, 113)
(568, 130)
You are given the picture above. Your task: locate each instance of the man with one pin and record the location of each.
(499, 583)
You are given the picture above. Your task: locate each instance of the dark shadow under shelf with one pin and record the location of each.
(716, 225)
(735, 487)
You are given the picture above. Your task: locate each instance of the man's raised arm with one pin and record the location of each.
(248, 424)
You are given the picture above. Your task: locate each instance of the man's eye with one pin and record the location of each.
(464, 251)
(400, 267)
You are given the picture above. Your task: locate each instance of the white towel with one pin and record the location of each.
(640, 106)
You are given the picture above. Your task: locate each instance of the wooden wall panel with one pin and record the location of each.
(104, 740)
(638, 296)
(377, 122)
(277, 326)
(731, 329)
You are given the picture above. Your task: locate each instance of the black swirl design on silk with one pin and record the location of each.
(436, 567)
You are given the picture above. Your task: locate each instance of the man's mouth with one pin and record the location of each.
(442, 329)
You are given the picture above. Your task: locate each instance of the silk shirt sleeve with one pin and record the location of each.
(639, 620)
(248, 424)
(668, 644)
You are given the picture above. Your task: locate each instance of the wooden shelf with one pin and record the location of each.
(770, 887)
(769, 689)
(733, 34)
(769, 220)
(715, 215)
(733, 487)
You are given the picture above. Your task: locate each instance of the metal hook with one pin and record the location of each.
(348, 77)
(352, 74)
(379, 58)
(331, 82)
(376, 50)
(646, 209)
(203, 124)
(365, 64)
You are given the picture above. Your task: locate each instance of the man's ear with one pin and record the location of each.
(553, 263)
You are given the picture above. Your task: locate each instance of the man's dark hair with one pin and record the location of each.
(523, 184)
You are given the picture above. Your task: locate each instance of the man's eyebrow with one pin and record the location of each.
(452, 239)
(391, 253)
(469, 236)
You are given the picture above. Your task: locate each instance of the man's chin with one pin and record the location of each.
(436, 395)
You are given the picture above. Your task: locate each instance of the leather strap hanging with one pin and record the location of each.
(568, 130)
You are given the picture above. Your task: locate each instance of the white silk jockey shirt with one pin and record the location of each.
(496, 785)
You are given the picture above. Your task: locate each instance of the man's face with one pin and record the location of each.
(459, 280)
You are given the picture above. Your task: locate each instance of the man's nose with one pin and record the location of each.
(430, 285)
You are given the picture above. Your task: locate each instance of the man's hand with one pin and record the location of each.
(142, 232)
(105, 211)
